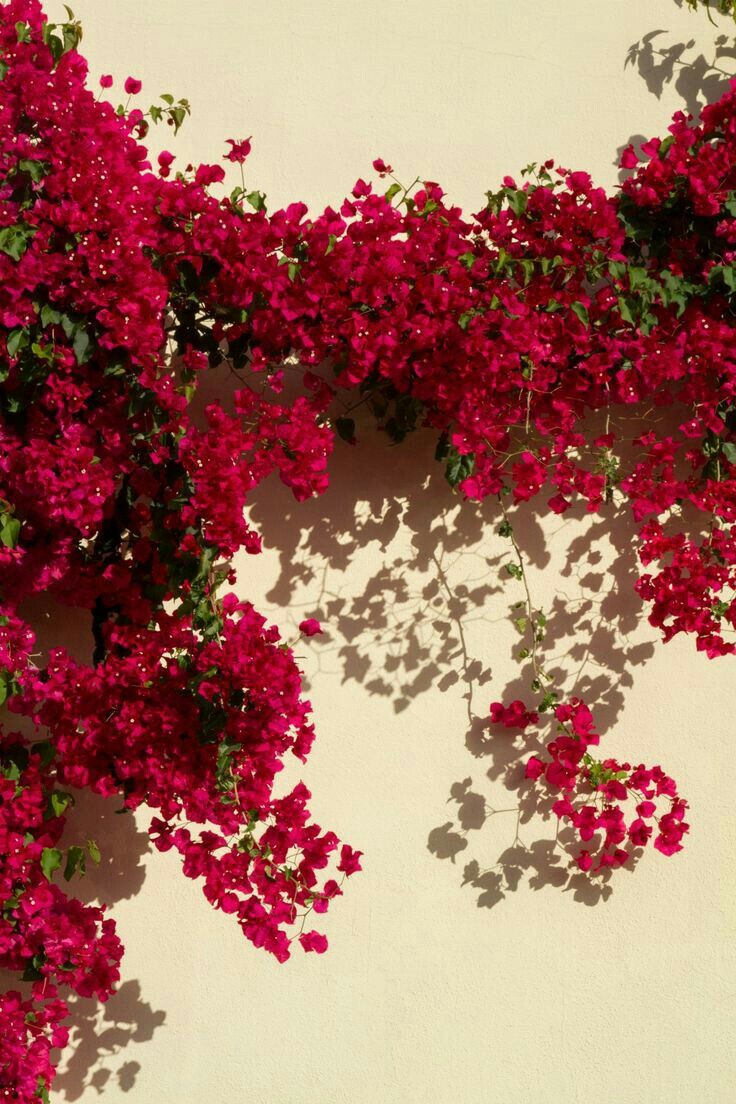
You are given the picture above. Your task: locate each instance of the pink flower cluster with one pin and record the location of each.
(593, 796)
(521, 334)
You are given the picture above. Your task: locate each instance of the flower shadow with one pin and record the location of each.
(415, 615)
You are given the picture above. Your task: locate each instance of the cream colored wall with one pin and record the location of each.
(465, 968)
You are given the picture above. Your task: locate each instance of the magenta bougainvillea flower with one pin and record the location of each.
(238, 150)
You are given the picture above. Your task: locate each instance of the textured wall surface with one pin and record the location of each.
(466, 966)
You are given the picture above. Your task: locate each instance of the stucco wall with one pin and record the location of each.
(465, 966)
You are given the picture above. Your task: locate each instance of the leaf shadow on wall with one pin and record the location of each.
(99, 1034)
(698, 70)
(697, 77)
(421, 620)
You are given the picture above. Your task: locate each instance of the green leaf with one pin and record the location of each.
(527, 267)
(32, 971)
(47, 752)
(94, 851)
(14, 240)
(10, 531)
(58, 802)
(625, 309)
(50, 861)
(458, 466)
(35, 169)
(257, 200)
(392, 191)
(514, 570)
(81, 345)
(517, 202)
(16, 340)
(74, 861)
(49, 316)
(345, 429)
(549, 701)
(178, 114)
(581, 311)
(728, 448)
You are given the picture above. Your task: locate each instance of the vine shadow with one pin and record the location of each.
(700, 75)
(697, 78)
(413, 627)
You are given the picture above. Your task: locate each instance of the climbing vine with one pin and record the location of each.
(528, 336)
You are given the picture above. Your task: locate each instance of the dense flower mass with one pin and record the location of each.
(529, 337)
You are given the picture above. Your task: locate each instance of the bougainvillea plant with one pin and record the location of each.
(723, 7)
(527, 336)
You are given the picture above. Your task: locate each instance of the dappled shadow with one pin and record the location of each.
(699, 69)
(101, 1033)
(406, 630)
(415, 614)
(591, 648)
(700, 75)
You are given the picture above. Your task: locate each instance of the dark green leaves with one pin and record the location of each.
(62, 37)
(458, 466)
(728, 448)
(10, 527)
(725, 274)
(35, 169)
(50, 861)
(16, 340)
(76, 859)
(257, 200)
(14, 240)
(8, 687)
(581, 312)
(345, 429)
(58, 803)
(81, 345)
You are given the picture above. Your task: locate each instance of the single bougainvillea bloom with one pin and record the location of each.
(239, 150)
